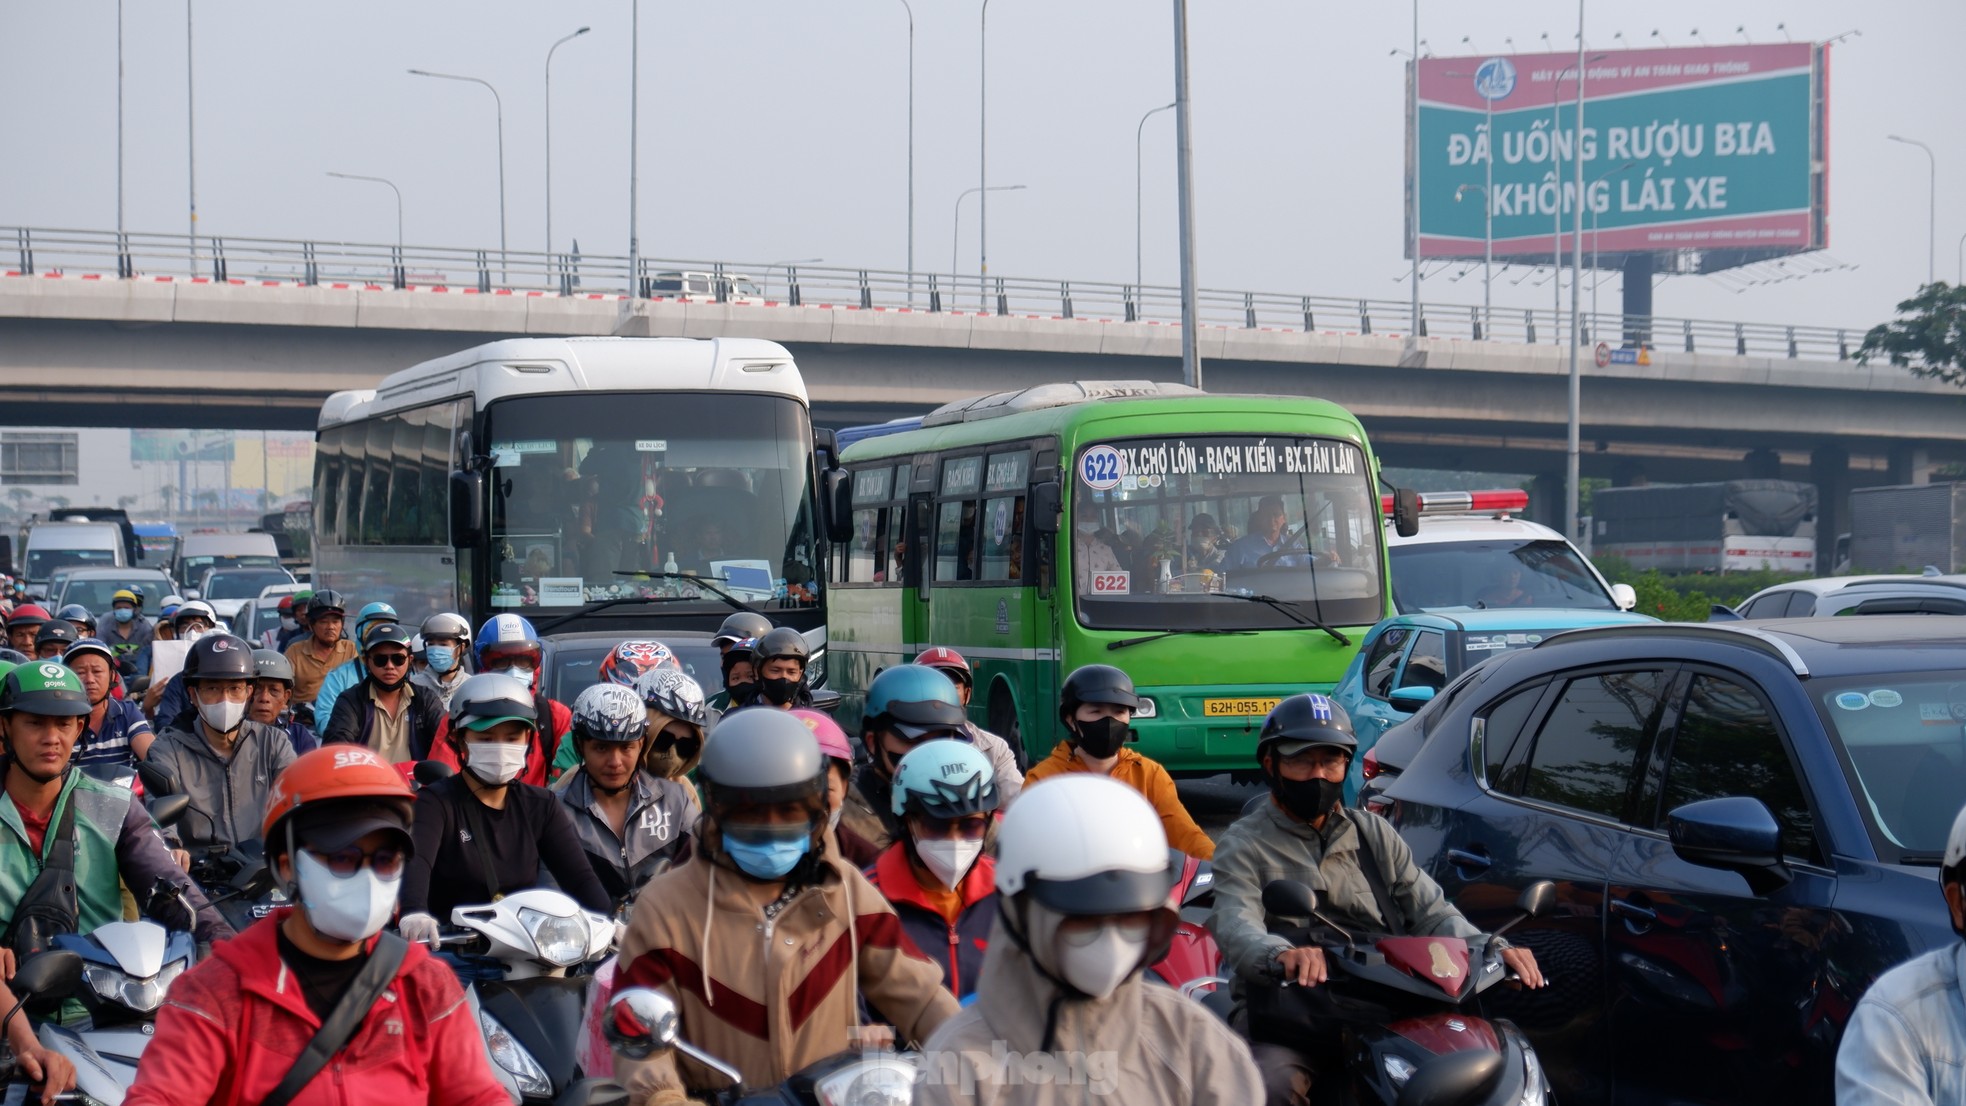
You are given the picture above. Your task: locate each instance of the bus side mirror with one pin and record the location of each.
(467, 509)
(1406, 512)
(836, 496)
(1047, 506)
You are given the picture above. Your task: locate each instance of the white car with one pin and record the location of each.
(228, 589)
(1472, 552)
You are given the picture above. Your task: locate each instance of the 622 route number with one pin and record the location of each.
(1101, 467)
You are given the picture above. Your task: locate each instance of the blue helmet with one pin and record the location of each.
(369, 616)
(505, 634)
(913, 700)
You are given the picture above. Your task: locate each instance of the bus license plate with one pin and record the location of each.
(1236, 708)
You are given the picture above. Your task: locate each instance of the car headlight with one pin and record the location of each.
(1147, 709)
(561, 941)
(141, 995)
(816, 668)
(508, 1053)
(1399, 1069)
(883, 1081)
(1533, 1092)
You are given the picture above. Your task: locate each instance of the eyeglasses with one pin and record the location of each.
(389, 660)
(686, 744)
(970, 827)
(1084, 931)
(386, 862)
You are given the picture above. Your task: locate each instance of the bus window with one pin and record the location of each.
(1002, 520)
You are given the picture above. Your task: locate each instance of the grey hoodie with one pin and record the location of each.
(228, 796)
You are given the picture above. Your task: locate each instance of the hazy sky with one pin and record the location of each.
(774, 129)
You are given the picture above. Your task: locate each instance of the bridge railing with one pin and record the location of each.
(238, 260)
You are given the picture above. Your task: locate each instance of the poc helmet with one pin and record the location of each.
(945, 780)
(219, 657)
(485, 700)
(1096, 683)
(270, 665)
(742, 626)
(671, 691)
(1302, 722)
(610, 713)
(625, 663)
(913, 701)
(503, 637)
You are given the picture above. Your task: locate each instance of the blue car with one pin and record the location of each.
(1406, 659)
(1744, 821)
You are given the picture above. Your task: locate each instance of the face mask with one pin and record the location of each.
(191, 635)
(1101, 737)
(285, 623)
(125, 614)
(519, 672)
(1098, 968)
(948, 861)
(665, 764)
(833, 819)
(441, 657)
(391, 685)
(742, 694)
(1308, 799)
(224, 716)
(768, 855)
(346, 908)
(779, 692)
(496, 763)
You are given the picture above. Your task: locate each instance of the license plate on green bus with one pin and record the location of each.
(1236, 708)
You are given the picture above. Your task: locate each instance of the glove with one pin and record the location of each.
(418, 928)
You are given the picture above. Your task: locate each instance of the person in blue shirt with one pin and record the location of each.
(115, 731)
(1265, 537)
(273, 699)
(355, 671)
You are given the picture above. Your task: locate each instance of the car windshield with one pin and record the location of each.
(1904, 744)
(98, 594)
(196, 567)
(41, 563)
(577, 664)
(1436, 576)
(1168, 531)
(244, 584)
(715, 486)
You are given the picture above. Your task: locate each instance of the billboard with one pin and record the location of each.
(180, 445)
(1709, 148)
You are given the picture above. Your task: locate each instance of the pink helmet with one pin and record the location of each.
(832, 739)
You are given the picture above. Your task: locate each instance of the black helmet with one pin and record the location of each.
(76, 612)
(783, 642)
(220, 657)
(325, 600)
(385, 633)
(742, 625)
(269, 665)
(58, 631)
(1302, 722)
(762, 756)
(1096, 683)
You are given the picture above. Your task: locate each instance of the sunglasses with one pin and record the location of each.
(1084, 931)
(686, 744)
(389, 660)
(386, 862)
(970, 827)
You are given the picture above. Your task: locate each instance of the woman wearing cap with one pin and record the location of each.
(337, 835)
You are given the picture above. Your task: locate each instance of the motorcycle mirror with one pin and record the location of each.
(156, 781)
(1288, 898)
(1457, 1077)
(167, 809)
(640, 1023)
(48, 974)
(1534, 902)
(428, 772)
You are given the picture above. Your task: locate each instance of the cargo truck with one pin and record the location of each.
(1726, 526)
(1905, 528)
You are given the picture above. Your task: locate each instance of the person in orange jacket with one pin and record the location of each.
(1096, 705)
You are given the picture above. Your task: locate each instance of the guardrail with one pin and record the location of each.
(269, 260)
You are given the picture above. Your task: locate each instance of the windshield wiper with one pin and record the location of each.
(1126, 641)
(701, 581)
(601, 605)
(1288, 611)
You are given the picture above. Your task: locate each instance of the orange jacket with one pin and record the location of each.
(1142, 775)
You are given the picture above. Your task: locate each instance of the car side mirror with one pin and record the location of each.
(1287, 898)
(1734, 834)
(1411, 698)
(1624, 596)
(165, 810)
(837, 494)
(1721, 612)
(1047, 506)
(467, 509)
(1406, 512)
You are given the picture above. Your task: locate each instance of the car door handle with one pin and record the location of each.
(1632, 912)
(1462, 858)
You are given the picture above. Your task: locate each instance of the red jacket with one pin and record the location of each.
(539, 757)
(235, 1024)
(958, 948)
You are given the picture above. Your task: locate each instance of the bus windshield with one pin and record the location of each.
(1183, 533)
(588, 487)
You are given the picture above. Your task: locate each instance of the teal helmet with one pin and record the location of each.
(946, 780)
(914, 701)
(370, 615)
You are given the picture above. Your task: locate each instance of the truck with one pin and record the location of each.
(1724, 526)
(1905, 528)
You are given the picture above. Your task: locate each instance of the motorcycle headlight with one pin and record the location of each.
(508, 1053)
(561, 941)
(1399, 1069)
(883, 1081)
(141, 995)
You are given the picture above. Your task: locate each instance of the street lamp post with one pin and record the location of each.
(1413, 151)
(1573, 458)
(1962, 259)
(1606, 175)
(1138, 132)
(399, 203)
(499, 104)
(911, 151)
(1932, 200)
(549, 138)
(982, 156)
(634, 133)
(1184, 188)
(955, 243)
(190, 140)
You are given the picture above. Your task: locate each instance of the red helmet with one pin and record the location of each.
(286, 602)
(947, 661)
(29, 614)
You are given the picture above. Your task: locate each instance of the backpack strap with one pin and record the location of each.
(1375, 878)
(339, 1027)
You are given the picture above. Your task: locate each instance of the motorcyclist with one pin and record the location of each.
(781, 658)
(191, 621)
(53, 639)
(740, 626)
(213, 753)
(1003, 759)
(294, 629)
(347, 675)
(78, 616)
(763, 864)
(272, 704)
(160, 630)
(1083, 881)
(484, 832)
(941, 885)
(323, 649)
(626, 662)
(270, 637)
(23, 622)
(115, 731)
(740, 669)
(384, 710)
(906, 705)
(337, 834)
(1305, 833)
(633, 824)
(508, 644)
(838, 751)
(1096, 706)
(1902, 1045)
(446, 646)
(128, 631)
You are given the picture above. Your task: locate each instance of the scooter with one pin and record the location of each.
(1193, 960)
(238, 882)
(515, 956)
(1398, 1020)
(47, 975)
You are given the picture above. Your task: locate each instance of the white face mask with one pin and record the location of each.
(1098, 968)
(949, 861)
(223, 716)
(497, 763)
(288, 623)
(833, 819)
(346, 908)
(519, 672)
(191, 635)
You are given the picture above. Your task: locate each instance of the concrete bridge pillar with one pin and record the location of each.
(1546, 499)
(1909, 464)
(1829, 470)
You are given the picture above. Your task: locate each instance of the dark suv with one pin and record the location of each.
(1744, 822)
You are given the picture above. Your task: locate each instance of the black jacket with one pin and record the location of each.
(354, 718)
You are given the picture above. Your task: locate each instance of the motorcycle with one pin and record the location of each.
(1398, 1021)
(42, 977)
(238, 882)
(1193, 960)
(514, 956)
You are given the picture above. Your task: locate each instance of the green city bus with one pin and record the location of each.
(1066, 525)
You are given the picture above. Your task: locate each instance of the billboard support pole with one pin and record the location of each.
(1572, 461)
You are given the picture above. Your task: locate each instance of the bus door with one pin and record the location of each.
(916, 561)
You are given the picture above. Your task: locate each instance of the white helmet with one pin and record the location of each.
(1956, 841)
(1086, 844)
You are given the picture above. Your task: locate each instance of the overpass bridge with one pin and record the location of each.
(165, 331)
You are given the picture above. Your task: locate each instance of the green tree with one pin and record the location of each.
(1929, 336)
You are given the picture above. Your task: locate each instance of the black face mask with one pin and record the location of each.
(1307, 799)
(779, 691)
(1101, 737)
(742, 694)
